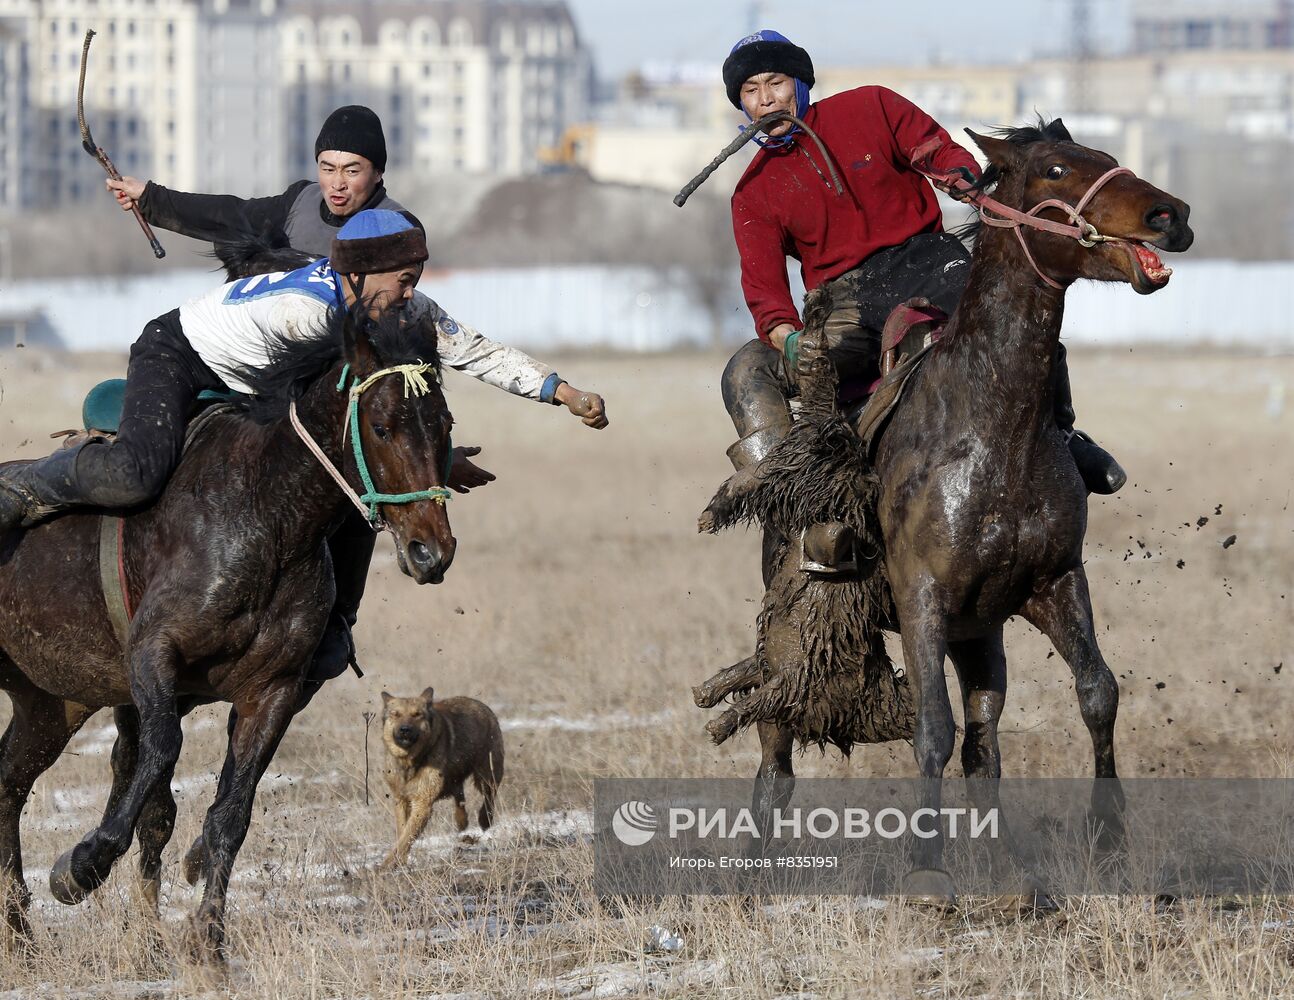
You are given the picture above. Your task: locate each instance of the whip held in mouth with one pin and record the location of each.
(748, 133)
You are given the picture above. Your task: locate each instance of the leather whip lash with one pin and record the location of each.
(97, 152)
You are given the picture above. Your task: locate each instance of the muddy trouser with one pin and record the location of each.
(758, 382)
(163, 381)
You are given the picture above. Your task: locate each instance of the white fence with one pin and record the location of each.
(638, 309)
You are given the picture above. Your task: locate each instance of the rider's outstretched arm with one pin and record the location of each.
(471, 352)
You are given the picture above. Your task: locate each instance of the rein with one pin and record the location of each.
(415, 383)
(1005, 217)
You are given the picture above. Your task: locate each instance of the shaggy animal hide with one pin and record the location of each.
(834, 683)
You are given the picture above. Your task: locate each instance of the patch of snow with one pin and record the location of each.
(630, 979)
(916, 956)
(589, 723)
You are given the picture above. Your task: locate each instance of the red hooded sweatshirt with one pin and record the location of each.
(785, 205)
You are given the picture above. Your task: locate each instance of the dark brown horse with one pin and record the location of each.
(229, 576)
(980, 507)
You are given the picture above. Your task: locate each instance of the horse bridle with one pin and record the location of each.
(415, 382)
(1005, 217)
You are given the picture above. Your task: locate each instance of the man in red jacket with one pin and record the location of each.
(875, 246)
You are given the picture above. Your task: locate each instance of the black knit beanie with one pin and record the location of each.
(764, 52)
(354, 129)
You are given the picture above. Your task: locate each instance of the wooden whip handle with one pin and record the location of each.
(115, 174)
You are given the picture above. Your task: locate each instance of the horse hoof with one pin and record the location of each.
(1031, 900)
(195, 861)
(931, 888)
(205, 942)
(63, 884)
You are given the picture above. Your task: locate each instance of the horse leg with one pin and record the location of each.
(774, 781)
(925, 646)
(84, 868)
(1062, 611)
(195, 858)
(981, 672)
(258, 729)
(37, 733)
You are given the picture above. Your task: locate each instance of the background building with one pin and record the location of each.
(1192, 25)
(184, 90)
(228, 95)
(15, 114)
(461, 86)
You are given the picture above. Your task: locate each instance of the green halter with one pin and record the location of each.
(415, 382)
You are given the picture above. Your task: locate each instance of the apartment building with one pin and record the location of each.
(185, 90)
(472, 85)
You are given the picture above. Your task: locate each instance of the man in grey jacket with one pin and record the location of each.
(350, 154)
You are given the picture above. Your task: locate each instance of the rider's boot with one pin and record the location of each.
(31, 492)
(755, 395)
(351, 547)
(1100, 471)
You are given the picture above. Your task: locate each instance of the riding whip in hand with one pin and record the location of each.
(88, 143)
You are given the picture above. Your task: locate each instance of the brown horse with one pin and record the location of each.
(979, 504)
(229, 576)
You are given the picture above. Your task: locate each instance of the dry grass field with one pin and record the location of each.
(582, 606)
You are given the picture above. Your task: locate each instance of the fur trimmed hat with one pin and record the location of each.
(377, 240)
(354, 129)
(764, 52)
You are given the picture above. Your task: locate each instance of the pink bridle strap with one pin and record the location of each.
(1005, 217)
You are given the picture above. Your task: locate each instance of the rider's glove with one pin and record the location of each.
(791, 347)
(950, 184)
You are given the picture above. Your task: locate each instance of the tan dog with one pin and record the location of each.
(432, 748)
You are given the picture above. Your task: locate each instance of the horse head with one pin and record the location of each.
(1076, 213)
(398, 438)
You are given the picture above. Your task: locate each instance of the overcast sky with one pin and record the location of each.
(623, 34)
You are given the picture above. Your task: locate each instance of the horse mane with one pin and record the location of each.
(252, 255)
(296, 364)
(1042, 131)
(1021, 135)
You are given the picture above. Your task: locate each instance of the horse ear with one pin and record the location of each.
(429, 695)
(355, 344)
(1056, 130)
(1001, 153)
(356, 348)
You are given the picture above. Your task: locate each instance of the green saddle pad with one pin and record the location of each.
(101, 410)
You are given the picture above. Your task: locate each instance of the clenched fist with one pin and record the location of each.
(127, 191)
(588, 406)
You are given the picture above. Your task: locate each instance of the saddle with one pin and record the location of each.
(101, 411)
(910, 331)
(101, 415)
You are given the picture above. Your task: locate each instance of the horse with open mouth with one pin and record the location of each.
(969, 490)
(229, 578)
